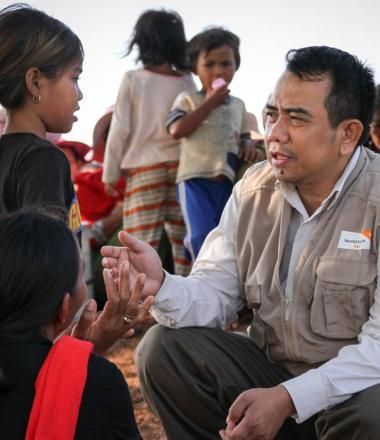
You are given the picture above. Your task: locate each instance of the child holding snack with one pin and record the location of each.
(212, 126)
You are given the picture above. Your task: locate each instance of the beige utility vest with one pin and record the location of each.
(335, 279)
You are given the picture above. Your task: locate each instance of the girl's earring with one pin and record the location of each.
(36, 99)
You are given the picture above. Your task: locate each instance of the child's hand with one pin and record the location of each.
(248, 151)
(217, 97)
(110, 189)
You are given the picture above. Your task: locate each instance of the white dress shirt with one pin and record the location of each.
(210, 297)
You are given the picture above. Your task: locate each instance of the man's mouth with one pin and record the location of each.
(279, 159)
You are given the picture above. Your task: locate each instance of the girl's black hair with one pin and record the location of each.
(39, 259)
(160, 38)
(31, 38)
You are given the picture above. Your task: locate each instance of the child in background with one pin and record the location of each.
(138, 144)
(101, 214)
(40, 63)
(212, 126)
(76, 153)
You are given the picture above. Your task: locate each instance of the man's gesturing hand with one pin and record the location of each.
(142, 258)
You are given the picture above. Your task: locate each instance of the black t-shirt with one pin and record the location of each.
(105, 413)
(35, 172)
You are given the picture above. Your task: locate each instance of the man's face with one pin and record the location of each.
(302, 146)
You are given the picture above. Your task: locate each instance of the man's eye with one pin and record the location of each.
(296, 119)
(269, 114)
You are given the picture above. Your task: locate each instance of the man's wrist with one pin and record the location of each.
(287, 401)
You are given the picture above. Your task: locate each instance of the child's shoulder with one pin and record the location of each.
(237, 101)
(26, 141)
(140, 75)
(27, 147)
(188, 99)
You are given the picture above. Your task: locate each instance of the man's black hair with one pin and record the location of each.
(352, 93)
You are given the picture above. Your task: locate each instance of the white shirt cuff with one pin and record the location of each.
(308, 394)
(163, 302)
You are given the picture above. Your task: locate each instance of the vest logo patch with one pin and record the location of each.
(355, 240)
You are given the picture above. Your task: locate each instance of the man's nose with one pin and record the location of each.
(276, 131)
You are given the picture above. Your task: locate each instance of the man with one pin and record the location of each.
(298, 243)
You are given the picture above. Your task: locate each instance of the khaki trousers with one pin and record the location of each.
(191, 376)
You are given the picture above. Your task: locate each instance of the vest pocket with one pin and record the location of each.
(343, 295)
(253, 295)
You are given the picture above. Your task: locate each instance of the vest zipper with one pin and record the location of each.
(287, 308)
(289, 345)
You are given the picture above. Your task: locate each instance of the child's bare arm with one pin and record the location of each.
(186, 124)
(248, 151)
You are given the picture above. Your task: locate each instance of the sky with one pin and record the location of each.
(267, 29)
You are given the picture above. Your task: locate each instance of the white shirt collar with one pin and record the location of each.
(291, 195)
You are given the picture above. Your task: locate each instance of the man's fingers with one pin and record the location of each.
(223, 435)
(238, 408)
(110, 251)
(88, 316)
(131, 242)
(241, 431)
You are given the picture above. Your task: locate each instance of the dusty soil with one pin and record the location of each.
(123, 356)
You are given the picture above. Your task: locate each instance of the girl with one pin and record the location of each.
(47, 390)
(40, 63)
(138, 144)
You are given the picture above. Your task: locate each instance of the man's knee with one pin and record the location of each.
(357, 418)
(367, 405)
(149, 348)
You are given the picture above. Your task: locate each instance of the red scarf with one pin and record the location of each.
(59, 388)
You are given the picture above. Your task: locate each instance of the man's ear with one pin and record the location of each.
(350, 132)
(32, 80)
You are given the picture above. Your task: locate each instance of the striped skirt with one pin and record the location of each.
(150, 204)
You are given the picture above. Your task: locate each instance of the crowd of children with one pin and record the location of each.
(164, 160)
(171, 153)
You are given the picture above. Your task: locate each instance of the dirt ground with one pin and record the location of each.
(123, 356)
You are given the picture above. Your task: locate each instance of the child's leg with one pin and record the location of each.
(202, 202)
(143, 203)
(174, 224)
